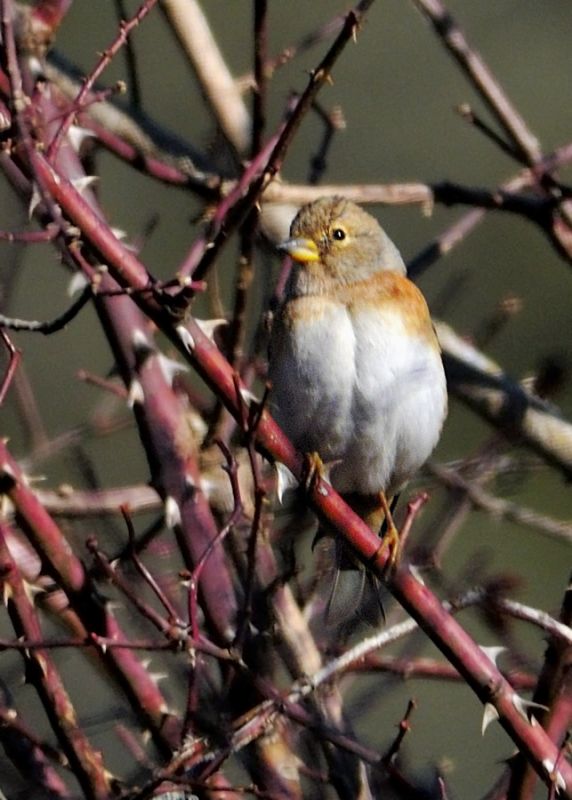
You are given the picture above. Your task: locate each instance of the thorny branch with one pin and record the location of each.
(212, 587)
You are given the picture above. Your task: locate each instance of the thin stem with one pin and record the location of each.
(53, 326)
(14, 356)
(125, 29)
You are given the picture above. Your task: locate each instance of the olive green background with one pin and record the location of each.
(398, 89)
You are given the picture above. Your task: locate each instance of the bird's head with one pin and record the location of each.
(334, 239)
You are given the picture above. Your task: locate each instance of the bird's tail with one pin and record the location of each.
(356, 592)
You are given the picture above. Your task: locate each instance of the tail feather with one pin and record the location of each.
(355, 592)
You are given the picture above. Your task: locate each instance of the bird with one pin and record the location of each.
(355, 371)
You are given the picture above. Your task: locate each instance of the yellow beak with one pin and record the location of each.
(301, 250)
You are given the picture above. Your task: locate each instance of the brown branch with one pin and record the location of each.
(77, 503)
(482, 79)
(125, 30)
(498, 506)
(14, 356)
(52, 326)
(69, 574)
(270, 159)
(475, 667)
(31, 755)
(86, 762)
(192, 30)
(482, 385)
(554, 692)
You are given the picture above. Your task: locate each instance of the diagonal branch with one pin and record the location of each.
(482, 79)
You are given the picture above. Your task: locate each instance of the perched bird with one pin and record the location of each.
(355, 367)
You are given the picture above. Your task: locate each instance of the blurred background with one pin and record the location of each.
(398, 90)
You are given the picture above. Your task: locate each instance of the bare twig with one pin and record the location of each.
(53, 326)
(42, 672)
(270, 158)
(124, 31)
(14, 355)
(482, 78)
(481, 383)
(193, 31)
(498, 506)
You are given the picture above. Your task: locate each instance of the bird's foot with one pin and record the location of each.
(313, 470)
(391, 539)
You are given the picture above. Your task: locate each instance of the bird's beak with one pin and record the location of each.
(302, 250)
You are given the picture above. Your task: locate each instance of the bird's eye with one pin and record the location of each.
(339, 234)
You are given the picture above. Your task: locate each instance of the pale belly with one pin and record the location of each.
(360, 391)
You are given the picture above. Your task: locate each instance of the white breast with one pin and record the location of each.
(362, 392)
(399, 404)
(312, 372)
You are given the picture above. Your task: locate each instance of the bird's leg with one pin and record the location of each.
(313, 470)
(391, 540)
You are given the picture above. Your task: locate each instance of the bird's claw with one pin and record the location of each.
(313, 470)
(391, 539)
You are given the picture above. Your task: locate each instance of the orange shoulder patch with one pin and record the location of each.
(394, 293)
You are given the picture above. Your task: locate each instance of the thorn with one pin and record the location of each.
(6, 469)
(416, 572)
(7, 592)
(143, 348)
(285, 480)
(326, 469)
(32, 590)
(492, 653)
(140, 342)
(32, 480)
(490, 714)
(119, 234)
(556, 777)
(83, 183)
(248, 396)
(170, 368)
(209, 326)
(172, 512)
(77, 136)
(186, 338)
(77, 284)
(35, 200)
(135, 394)
(157, 677)
(41, 662)
(190, 487)
(524, 707)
